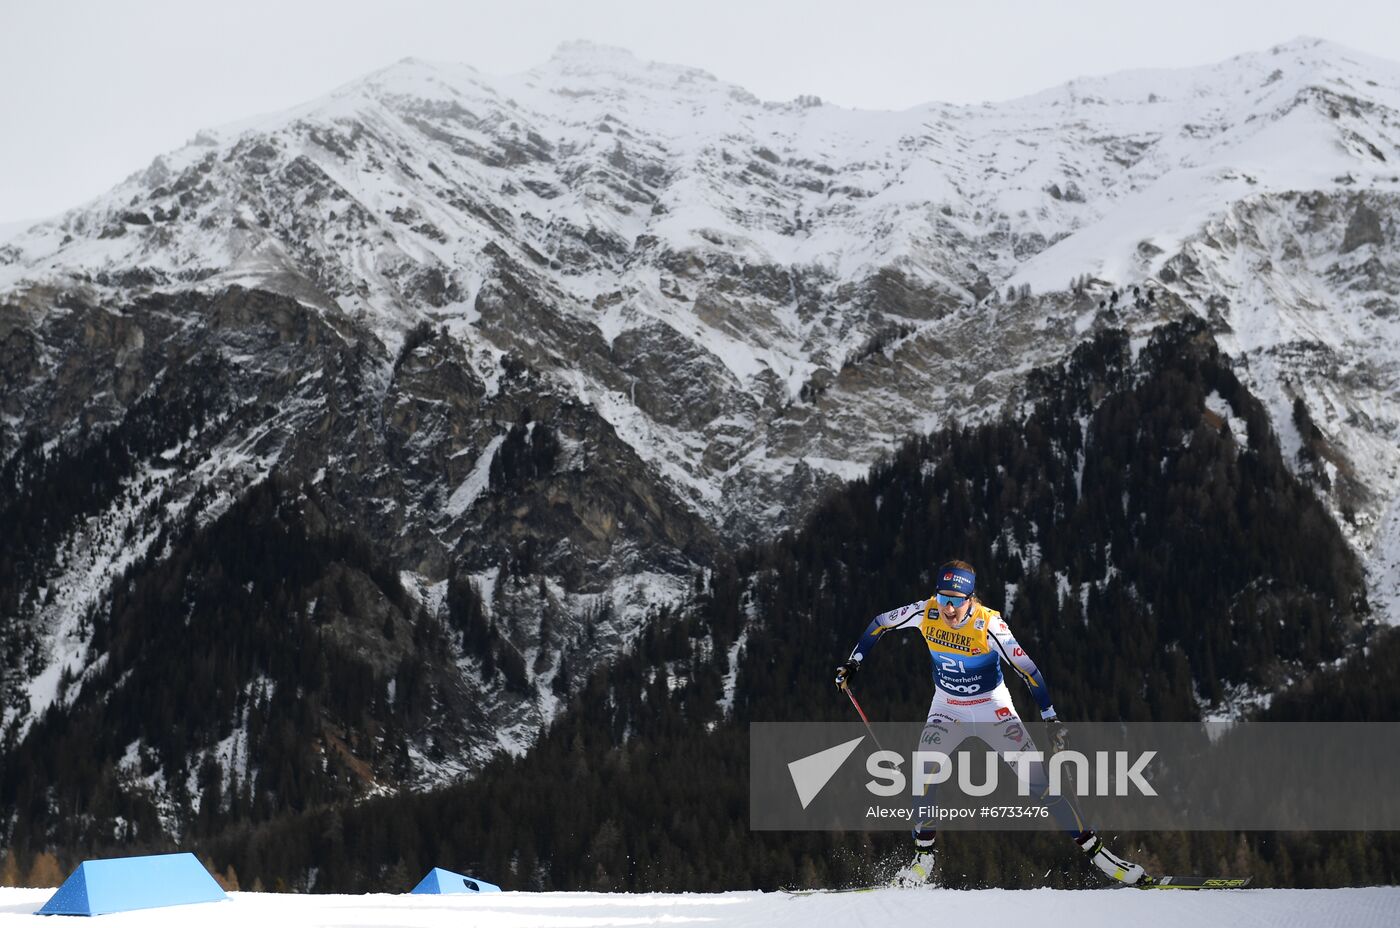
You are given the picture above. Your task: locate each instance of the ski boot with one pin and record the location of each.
(920, 870)
(1113, 866)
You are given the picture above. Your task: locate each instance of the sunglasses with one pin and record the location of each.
(954, 601)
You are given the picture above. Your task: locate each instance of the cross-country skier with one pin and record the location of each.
(967, 643)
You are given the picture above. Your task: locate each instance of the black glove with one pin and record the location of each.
(844, 672)
(1059, 735)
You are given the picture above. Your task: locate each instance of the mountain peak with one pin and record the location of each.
(1305, 43)
(587, 51)
(581, 58)
(1323, 53)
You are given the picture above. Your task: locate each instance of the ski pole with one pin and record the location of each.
(861, 713)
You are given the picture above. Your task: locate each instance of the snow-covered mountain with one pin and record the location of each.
(573, 334)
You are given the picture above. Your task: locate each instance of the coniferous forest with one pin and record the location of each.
(1154, 564)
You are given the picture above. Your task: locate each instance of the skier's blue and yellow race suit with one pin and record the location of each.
(970, 697)
(967, 658)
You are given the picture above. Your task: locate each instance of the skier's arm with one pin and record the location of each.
(903, 617)
(1016, 656)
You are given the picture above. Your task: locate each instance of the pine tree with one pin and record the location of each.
(9, 868)
(44, 871)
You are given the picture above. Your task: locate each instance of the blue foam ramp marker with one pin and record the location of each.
(120, 884)
(440, 881)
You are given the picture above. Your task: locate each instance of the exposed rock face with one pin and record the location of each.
(401, 449)
(1363, 229)
(1317, 326)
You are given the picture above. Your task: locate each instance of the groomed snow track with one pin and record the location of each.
(1275, 908)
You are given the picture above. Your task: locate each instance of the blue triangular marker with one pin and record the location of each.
(440, 882)
(122, 884)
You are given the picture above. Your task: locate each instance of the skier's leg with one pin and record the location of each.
(1007, 734)
(1112, 866)
(943, 732)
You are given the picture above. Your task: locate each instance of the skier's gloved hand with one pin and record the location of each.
(843, 673)
(1059, 735)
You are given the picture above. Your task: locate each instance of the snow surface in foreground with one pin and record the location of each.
(1083, 909)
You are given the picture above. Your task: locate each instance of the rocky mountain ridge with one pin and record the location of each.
(567, 337)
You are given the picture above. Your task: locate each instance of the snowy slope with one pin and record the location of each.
(1256, 217)
(1274, 908)
(753, 294)
(662, 213)
(11, 229)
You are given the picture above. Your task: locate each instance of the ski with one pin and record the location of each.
(1163, 882)
(1192, 882)
(795, 893)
